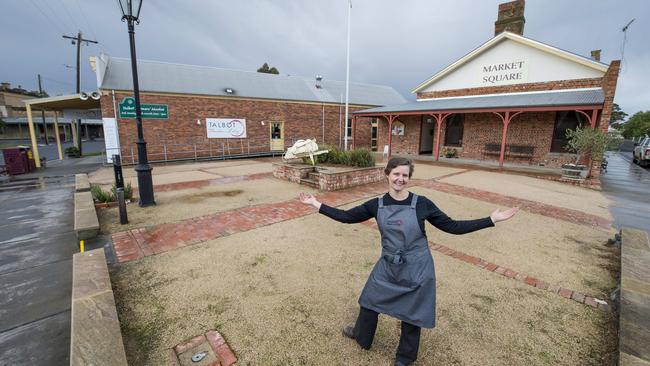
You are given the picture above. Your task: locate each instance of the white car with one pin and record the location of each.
(641, 154)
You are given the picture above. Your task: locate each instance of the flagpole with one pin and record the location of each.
(347, 78)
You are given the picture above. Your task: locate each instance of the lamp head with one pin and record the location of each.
(130, 9)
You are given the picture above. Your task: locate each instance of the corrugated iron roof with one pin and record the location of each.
(549, 98)
(188, 79)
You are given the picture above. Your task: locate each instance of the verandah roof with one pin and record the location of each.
(554, 98)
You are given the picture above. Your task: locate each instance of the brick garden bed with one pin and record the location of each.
(328, 178)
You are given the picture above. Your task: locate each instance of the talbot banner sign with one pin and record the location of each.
(150, 111)
(505, 73)
(226, 128)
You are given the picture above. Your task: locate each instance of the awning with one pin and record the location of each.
(58, 103)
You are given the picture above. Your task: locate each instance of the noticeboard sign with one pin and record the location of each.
(149, 111)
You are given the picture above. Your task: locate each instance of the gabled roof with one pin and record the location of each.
(115, 73)
(596, 65)
(552, 98)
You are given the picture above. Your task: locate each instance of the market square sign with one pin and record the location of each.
(505, 73)
(149, 111)
(226, 128)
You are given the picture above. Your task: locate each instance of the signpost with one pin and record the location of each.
(150, 111)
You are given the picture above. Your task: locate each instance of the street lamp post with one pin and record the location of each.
(130, 13)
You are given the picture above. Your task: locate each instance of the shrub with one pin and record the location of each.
(587, 141)
(451, 153)
(101, 195)
(128, 191)
(362, 158)
(71, 150)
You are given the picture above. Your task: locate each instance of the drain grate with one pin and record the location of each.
(209, 349)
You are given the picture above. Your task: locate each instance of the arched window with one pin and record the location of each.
(454, 130)
(565, 120)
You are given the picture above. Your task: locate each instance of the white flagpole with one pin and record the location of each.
(347, 77)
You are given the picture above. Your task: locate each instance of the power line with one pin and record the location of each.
(46, 16)
(65, 8)
(83, 16)
(55, 14)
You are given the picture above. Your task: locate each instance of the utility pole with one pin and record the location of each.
(40, 94)
(77, 40)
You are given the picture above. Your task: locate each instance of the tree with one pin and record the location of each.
(587, 141)
(617, 115)
(637, 125)
(268, 70)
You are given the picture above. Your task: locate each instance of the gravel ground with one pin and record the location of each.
(280, 294)
(540, 190)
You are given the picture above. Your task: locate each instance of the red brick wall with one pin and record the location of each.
(301, 120)
(517, 88)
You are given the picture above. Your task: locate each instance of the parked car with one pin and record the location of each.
(641, 154)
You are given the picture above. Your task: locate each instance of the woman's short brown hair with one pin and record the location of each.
(395, 162)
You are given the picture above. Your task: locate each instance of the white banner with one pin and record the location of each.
(226, 128)
(111, 138)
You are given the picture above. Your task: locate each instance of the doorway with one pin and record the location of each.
(374, 125)
(277, 136)
(426, 136)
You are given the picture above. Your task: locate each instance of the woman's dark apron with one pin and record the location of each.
(403, 283)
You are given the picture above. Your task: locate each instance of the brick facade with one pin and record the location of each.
(517, 88)
(177, 136)
(531, 129)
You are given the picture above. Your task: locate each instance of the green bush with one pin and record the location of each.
(362, 158)
(71, 150)
(128, 191)
(101, 195)
(587, 141)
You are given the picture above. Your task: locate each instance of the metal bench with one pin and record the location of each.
(492, 149)
(520, 151)
(514, 151)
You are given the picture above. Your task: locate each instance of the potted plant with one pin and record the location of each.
(451, 153)
(585, 141)
(72, 152)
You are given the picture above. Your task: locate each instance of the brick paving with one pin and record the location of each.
(223, 353)
(138, 243)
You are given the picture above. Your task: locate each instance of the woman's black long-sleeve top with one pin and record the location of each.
(425, 210)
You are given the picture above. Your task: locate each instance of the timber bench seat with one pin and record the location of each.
(514, 151)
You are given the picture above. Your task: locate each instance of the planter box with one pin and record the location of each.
(574, 172)
(328, 178)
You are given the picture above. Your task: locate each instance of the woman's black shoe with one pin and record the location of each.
(348, 331)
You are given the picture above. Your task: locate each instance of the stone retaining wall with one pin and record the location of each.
(634, 332)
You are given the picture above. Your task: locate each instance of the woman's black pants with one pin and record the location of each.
(409, 341)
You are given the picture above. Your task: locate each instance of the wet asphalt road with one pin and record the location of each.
(37, 242)
(628, 185)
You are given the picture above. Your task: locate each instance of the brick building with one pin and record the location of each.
(210, 112)
(509, 100)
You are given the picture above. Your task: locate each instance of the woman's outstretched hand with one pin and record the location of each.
(502, 215)
(309, 199)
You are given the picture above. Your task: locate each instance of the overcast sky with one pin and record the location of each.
(395, 43)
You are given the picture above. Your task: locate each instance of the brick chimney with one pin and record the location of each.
(595, 54)
(511, 18)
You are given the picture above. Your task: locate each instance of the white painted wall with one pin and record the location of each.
(531, 65)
